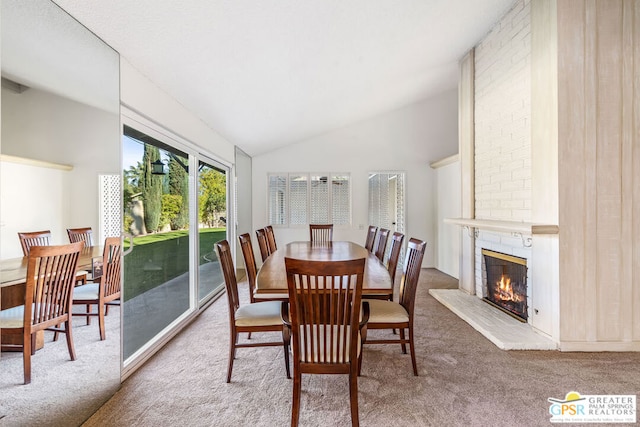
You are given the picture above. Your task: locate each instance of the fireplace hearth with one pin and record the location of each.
(506, 283)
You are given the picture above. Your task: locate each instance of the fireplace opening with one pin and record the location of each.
(506, 283)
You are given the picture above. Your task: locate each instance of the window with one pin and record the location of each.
(386, 200)
(298, 199)
(176, 216)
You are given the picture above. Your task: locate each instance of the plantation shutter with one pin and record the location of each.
(277, 199)
(387, 202)
(341, 212)
(319, 200)
(298, 192)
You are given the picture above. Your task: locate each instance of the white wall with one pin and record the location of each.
(22, 206)
(407, 139)
(138, 93)
(243, 184)
(448, 204)
(43, 126)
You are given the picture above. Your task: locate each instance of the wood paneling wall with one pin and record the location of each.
(599, 173)
(544, 268)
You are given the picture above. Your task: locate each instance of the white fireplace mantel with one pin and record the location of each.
(523, 228)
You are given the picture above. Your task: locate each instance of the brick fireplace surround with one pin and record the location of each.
(500, 328)
(549, 106)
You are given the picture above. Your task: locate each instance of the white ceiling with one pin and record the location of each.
(267, 73)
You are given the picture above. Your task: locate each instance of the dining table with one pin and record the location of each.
(272, 276)
(13, 275)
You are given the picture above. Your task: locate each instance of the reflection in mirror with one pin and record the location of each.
(59, 169)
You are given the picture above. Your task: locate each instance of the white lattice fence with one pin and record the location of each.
(110, 206)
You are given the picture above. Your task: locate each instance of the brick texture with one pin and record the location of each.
(503, 132)
(503, 118)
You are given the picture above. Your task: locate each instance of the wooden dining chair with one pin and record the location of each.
(51, 275)
(43, 238)
(392, 265)
(394, 254)
(381, 243)
(371, 237)
(107, 290)
(256, 317)
(263, 244)
(271, 239)
(84, 234)
(399, 315)
(34, 238)
(321, 233)
(324, 316)
(252, 272)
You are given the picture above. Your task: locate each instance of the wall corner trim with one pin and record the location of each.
(32, 162)
(444, 162)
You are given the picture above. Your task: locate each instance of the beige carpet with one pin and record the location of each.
(62, 392)
(464, 379)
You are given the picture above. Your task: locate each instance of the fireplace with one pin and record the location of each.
(506, 283)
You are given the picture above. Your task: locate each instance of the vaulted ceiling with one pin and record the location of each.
(267, 73)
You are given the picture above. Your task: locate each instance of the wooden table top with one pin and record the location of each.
(13, 271)
(272, 277)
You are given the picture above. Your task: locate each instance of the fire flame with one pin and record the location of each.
(505, 291)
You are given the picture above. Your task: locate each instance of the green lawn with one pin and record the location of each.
(159, 257)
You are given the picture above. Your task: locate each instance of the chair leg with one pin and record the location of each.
(403, 345)
(101, 314)
(286, 338)
(26, 356)
(33, 344)
(88, 311)
(363, 340)
(353, 396)
(295, 405)
(232, 354)
(392, 330)
(412, 348)
(68, 333)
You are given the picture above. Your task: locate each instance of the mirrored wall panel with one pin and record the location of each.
(60, 169)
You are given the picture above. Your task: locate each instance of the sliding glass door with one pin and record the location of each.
(175, 203)
(156, 271)
(212, 227)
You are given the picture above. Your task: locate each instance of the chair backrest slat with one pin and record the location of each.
(371, 237)
(249, 263)
(381, 243)
(271, 239)
(51, 277)
(111, 279)
(34, 238)
(230, 281)
(263, 244)
(84, 234)
(394, 255)
(325, 300)
(321, 233)
(411, 273)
